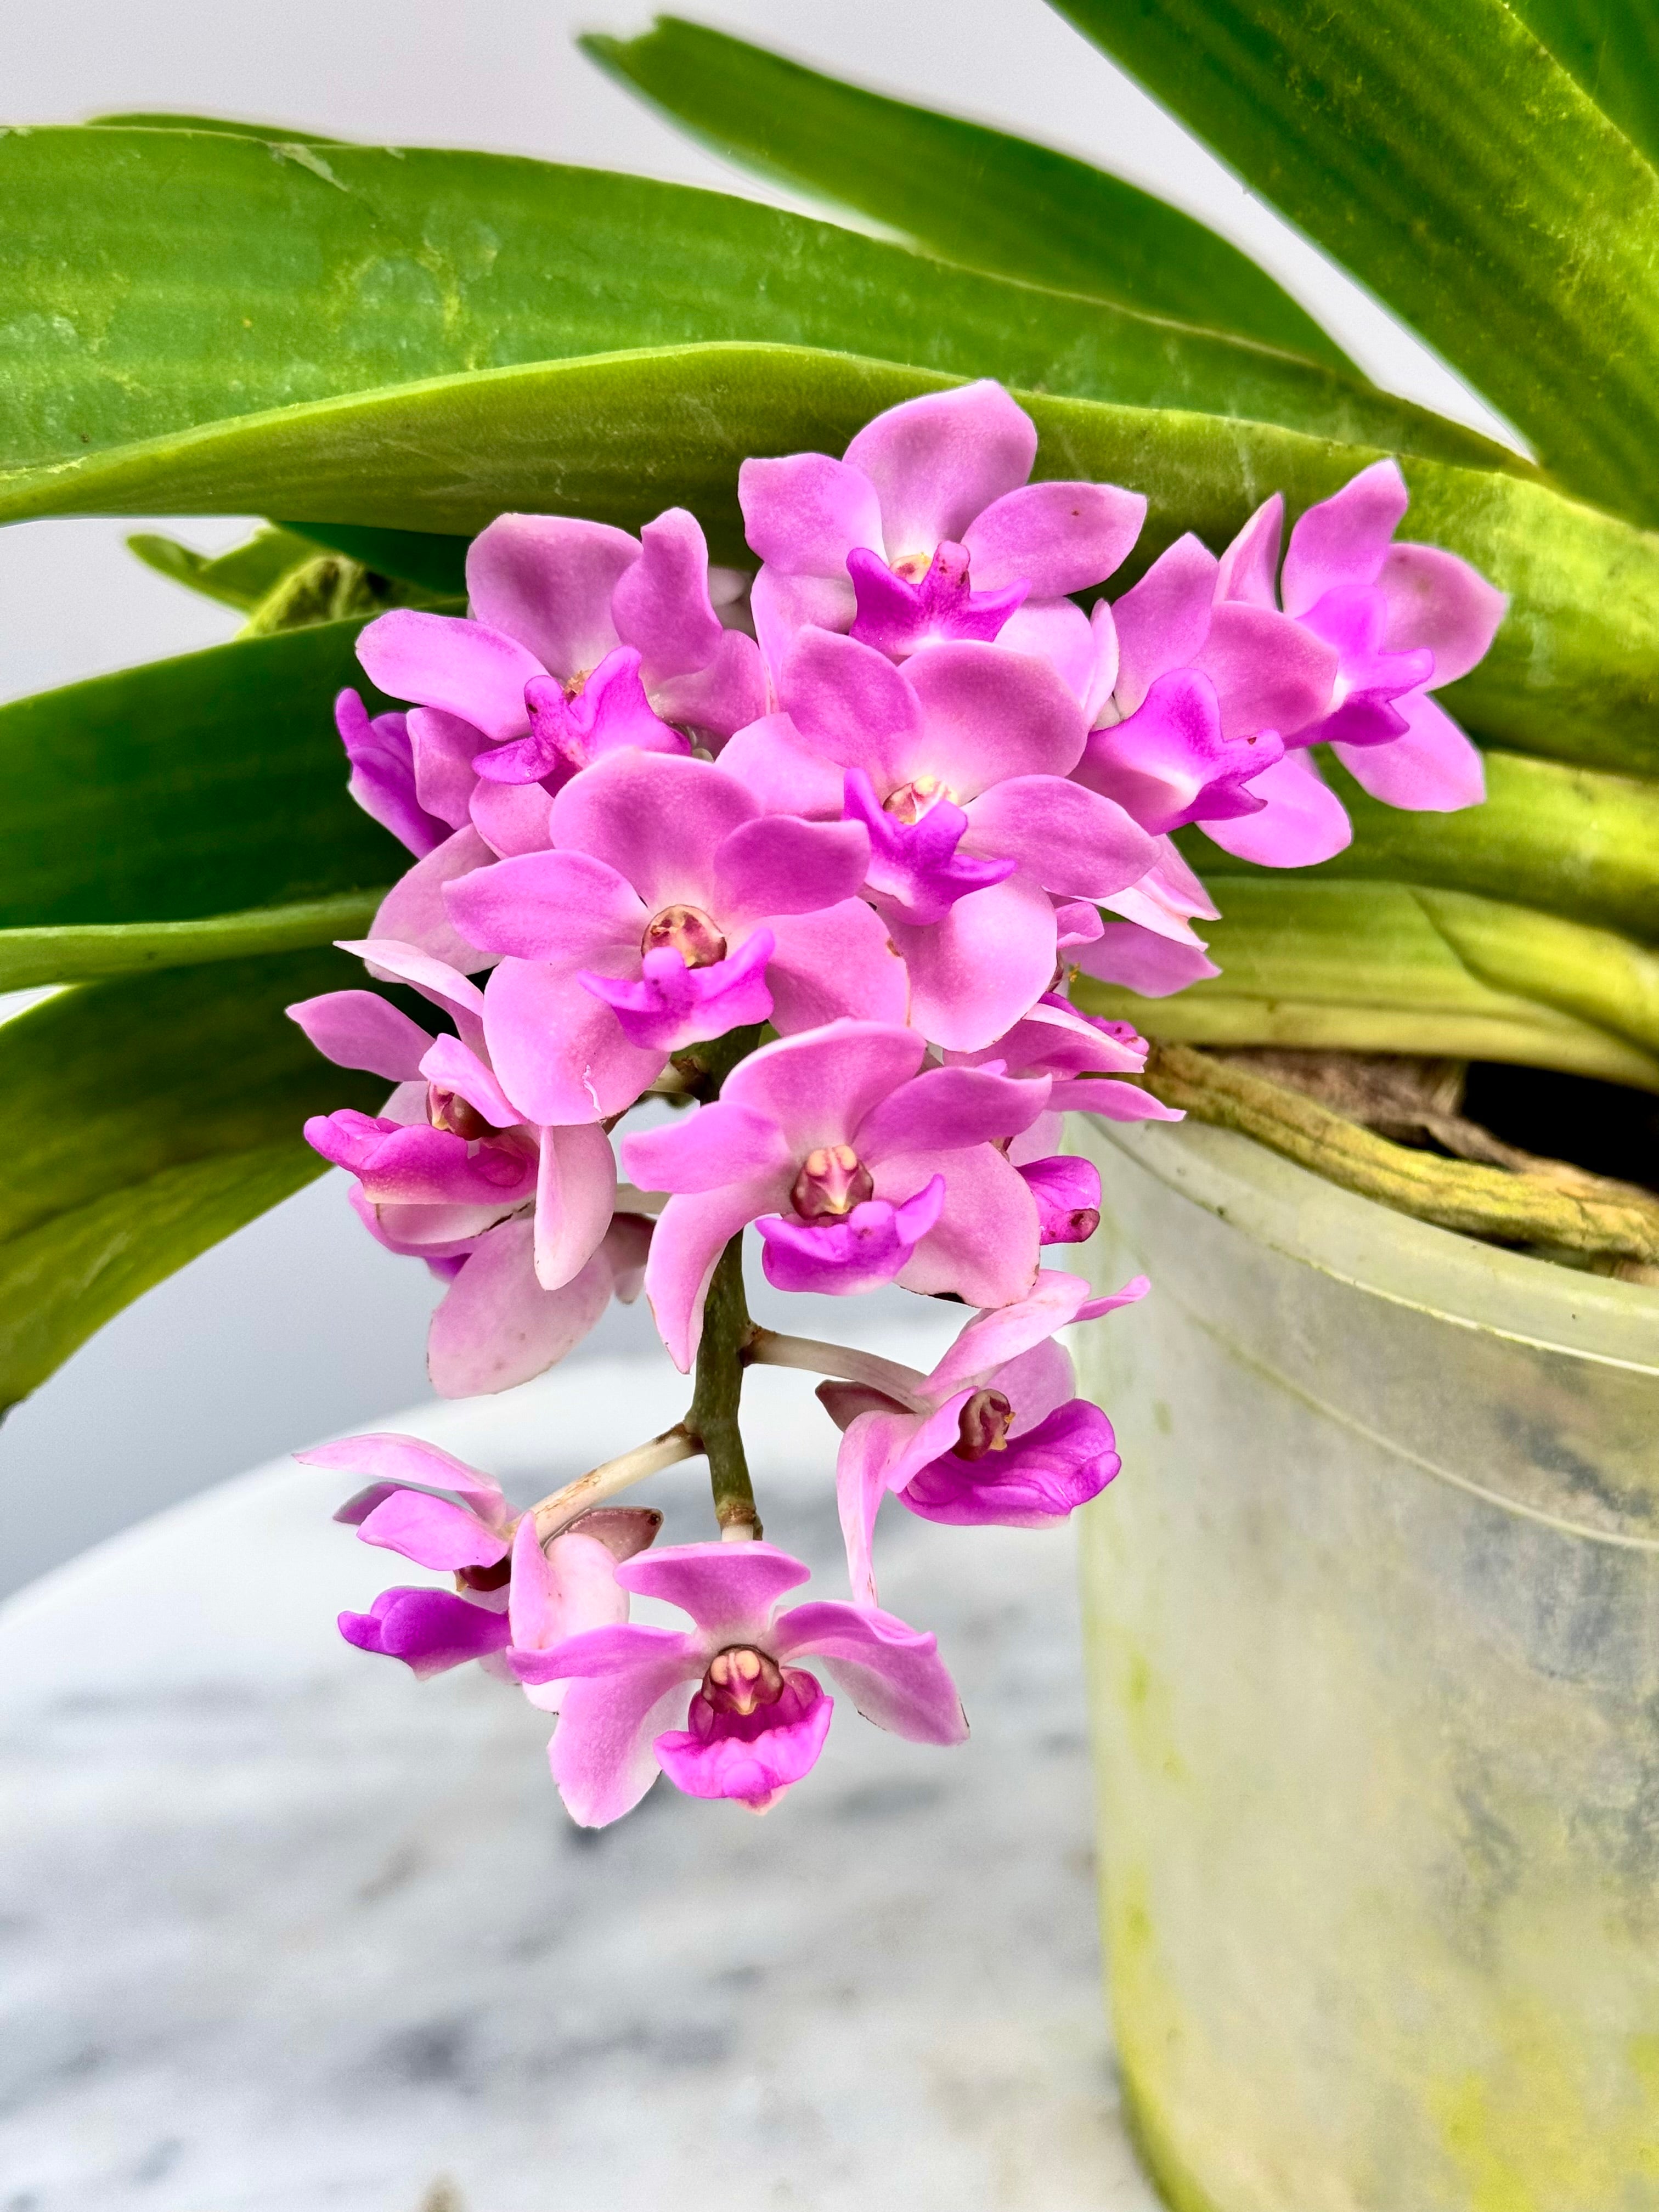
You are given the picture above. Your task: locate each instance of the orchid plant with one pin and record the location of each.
(811, 856)
(930, 705)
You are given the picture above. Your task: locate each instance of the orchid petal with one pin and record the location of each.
(661, 604)
(565, 907)
(432, 1531)
(1303, 822)
(414, 910)
(1070, 840)
(893, 1673)
(1432, 599)
(575, 1191)
(465, 668)
(496, 1325)
(1163, 621)
(778, 865)
(805, 512)
(360, 1029)
(429, 1630)
(835, 965)
(1057, 538)
(1343, 539)
(546, 580)
(975, 971)
(557, 1050)
(1432, 768)
(938, 461)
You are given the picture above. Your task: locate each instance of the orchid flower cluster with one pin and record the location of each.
(811, 857)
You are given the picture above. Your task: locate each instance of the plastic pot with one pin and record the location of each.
(1373, 1617)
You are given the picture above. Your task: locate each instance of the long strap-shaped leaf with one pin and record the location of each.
(1443, 154)
(1575, 672)
(157, 279)
(1386, 967)
(974, 195)
(191, 789)
(1612, 47)
(149, 1119)
(1565, 841)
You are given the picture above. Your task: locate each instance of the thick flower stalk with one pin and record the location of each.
(812, 855)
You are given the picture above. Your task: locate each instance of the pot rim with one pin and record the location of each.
(1359, 1242)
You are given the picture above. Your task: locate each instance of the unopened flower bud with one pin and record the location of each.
(740, 1679)
(689, 932)
(913, 800)
(447, 1109)
(832, 1181)
(986, 1420)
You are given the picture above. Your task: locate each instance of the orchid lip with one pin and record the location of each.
(741, 1678)
(687, 931)
(832, 1181)
(986, 1420)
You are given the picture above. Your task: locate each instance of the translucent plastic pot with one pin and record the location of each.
(1373, 1614)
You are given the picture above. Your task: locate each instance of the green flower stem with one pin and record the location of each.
(712, 1419)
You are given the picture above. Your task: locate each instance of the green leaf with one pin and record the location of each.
(1434, 147)
(1386, 967)
(149, 1118)
(1565, 841)
(1575, 672)
(276, 134)
(192, 788)
(414, 556)
(72, 954)
(956, 189)
(61, 1282)
(156, 280)
(1611, 48)
(239, 578)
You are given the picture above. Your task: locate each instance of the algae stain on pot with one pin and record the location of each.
(1514, 2134)
(1373, 1630)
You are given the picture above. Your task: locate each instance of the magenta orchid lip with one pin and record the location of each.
(815, 865)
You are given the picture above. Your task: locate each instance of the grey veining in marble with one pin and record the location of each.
(281, 1928)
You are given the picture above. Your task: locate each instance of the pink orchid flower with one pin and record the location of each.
(1081, 1052)
(673, 909)
(816, 1129)
(1400, 621)
(381, 758)
(756, 1720)
(1152, 948)
(518, 1216)
(1191, 692)
(993, 1437)
(511, 1588)
(958, 767)
(582, 640)
(928, 530)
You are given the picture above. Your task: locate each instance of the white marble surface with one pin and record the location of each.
(281, 1928)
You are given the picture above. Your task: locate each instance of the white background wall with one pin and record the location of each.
(300, 1325)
